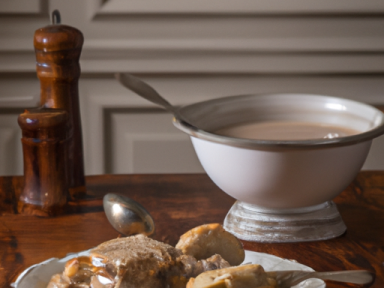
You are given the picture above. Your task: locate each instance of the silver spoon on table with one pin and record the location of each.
(127, 216)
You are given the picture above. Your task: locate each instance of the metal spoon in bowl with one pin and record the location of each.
(127, 216)
(144, 90)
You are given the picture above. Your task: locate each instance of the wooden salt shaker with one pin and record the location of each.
(58, 48)
(45, 150)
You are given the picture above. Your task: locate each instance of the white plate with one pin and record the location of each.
(273, 263)
(38, 275)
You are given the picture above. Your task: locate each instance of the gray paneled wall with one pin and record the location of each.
(189, 51)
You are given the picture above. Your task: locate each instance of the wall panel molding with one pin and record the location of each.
(297, 37)
(11, 155)
(190, 51)
(102, 48)
(100, 98)
(151, 152)
(20, 101)
(30, 7)
(272, 56)
(294, 7)
(19, 92)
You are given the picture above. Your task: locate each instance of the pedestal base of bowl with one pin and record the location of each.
(251, 223)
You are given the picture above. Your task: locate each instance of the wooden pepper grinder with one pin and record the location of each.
(58, 48)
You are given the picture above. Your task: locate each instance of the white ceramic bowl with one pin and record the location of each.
(281, 174)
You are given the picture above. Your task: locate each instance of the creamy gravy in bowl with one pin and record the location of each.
(285, 130)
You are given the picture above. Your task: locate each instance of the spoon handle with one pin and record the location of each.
(287, 279)
(143, 89)
(354, 276)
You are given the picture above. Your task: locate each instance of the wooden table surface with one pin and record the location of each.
(177, 204)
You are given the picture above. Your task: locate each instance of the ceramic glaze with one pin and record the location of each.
(285, 130)
(284, 186)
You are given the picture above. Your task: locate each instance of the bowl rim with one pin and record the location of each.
(182, 123)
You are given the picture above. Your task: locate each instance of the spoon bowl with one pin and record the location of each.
(127, 216)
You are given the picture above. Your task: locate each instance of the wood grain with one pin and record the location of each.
(58, 49)
(45, 146)
(177, 204)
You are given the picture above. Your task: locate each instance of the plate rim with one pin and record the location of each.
(27, 272)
